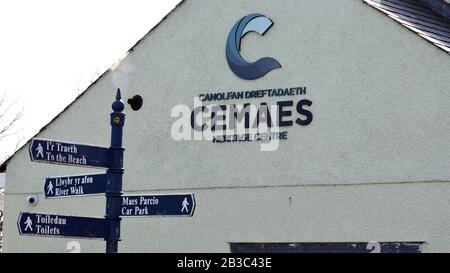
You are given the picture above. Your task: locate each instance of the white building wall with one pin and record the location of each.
(373, 164)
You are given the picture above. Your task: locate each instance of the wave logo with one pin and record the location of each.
(243, 69)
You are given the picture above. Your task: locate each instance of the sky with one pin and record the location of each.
(51, 50)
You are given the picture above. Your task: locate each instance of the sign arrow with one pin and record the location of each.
(67, 186)
(40, 224)
(178, 204)
(55, 152)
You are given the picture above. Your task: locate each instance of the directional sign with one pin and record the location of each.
(66, 186)
(39, 224)
(55, 152)
(158, 205)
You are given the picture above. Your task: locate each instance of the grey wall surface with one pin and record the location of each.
(2, 180)
(2, 201)
(373, 164)
(2, 186)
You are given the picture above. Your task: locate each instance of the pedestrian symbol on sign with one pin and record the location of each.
(184, 205)
(50, 188)
(40, 150)
(28, 224)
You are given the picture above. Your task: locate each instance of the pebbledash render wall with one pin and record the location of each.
(373, 165)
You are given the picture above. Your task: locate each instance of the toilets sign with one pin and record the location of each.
(54, 152)
(38, 224)
(178, 204)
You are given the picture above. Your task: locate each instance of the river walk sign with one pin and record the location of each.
(39, 224)
(78, 185)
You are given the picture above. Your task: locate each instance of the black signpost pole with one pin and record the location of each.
(115, 173)
(108, 228)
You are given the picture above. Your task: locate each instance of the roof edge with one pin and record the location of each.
(441, 7)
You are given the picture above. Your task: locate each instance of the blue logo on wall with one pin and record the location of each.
(243, 69)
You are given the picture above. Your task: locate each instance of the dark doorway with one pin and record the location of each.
(351, 247)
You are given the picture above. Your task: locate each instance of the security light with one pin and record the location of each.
(136, 102)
